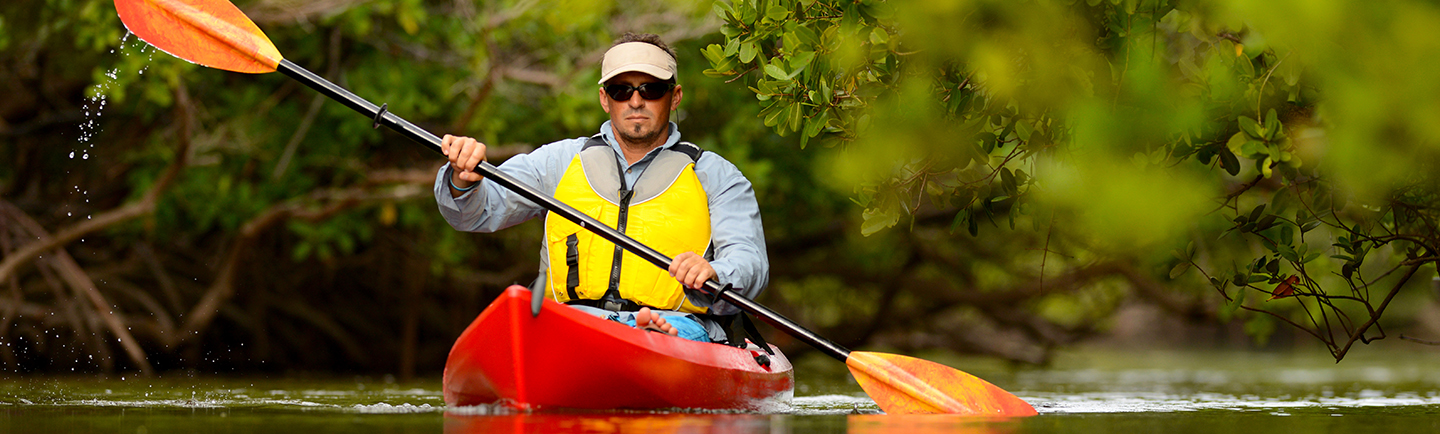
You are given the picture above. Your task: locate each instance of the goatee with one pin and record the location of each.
(639, 136)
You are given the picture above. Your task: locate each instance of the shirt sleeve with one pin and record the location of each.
(735, 228)
(490, 207)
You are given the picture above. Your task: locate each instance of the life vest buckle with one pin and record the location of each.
(611, 305)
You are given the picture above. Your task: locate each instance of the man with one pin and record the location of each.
(637, 176)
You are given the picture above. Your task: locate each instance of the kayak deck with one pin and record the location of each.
(565, 358)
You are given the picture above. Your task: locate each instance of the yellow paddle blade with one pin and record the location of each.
(907, 385)
(211, 33)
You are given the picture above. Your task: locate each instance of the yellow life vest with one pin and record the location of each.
(666, 209)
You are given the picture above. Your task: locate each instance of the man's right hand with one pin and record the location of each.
(464, 154)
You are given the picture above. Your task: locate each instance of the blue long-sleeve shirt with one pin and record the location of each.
(735, 227)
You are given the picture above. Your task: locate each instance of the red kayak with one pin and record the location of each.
(565, 358)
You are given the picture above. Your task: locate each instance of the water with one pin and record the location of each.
(1091, 391)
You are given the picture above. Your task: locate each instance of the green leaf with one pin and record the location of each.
(723, 10)
(1258, 211)
(797, 113)
(717, 74)
(1007, 181)
(808, 39)
(1249, 148)
(1265, 222)
(959, 219)
(1236, 301)
(1287, 252)
(1249, 126)
(1272, 125)
(731, 31)
(800, 61)
(987, 141)
(789, 40)
(876, 219)
(772, 114)
(748, 50)
(1179, 269)
(1229, 162)
(775, 71)
(878, 36)
(776, 12)
(714, 53)
(815, 123)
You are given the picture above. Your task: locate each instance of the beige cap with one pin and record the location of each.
(637, 57)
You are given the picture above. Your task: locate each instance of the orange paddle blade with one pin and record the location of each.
(211, 33)
(907, 385)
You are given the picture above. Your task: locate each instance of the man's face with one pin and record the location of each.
(636, 120)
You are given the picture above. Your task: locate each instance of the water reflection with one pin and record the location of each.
(607, 423)
(929, 424)
(700, 423)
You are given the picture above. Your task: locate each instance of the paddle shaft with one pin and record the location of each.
(492, 173)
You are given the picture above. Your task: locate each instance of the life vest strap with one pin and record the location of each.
(572, 263)
(689, 149)
(613, 304)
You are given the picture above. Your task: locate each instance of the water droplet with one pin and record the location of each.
(72, 155)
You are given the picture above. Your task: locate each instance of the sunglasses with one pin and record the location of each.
(648, 91)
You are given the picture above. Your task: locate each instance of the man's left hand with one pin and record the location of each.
(691, 270)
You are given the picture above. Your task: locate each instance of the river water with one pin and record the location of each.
(1375, 390)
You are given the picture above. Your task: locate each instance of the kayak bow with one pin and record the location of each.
(566, 358)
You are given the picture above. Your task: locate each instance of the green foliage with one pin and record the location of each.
(1131, 125)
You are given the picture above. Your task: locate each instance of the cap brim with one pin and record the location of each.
(652, 70)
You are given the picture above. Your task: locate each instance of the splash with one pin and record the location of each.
(96, 102)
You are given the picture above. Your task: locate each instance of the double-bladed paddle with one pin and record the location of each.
(216, 34)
